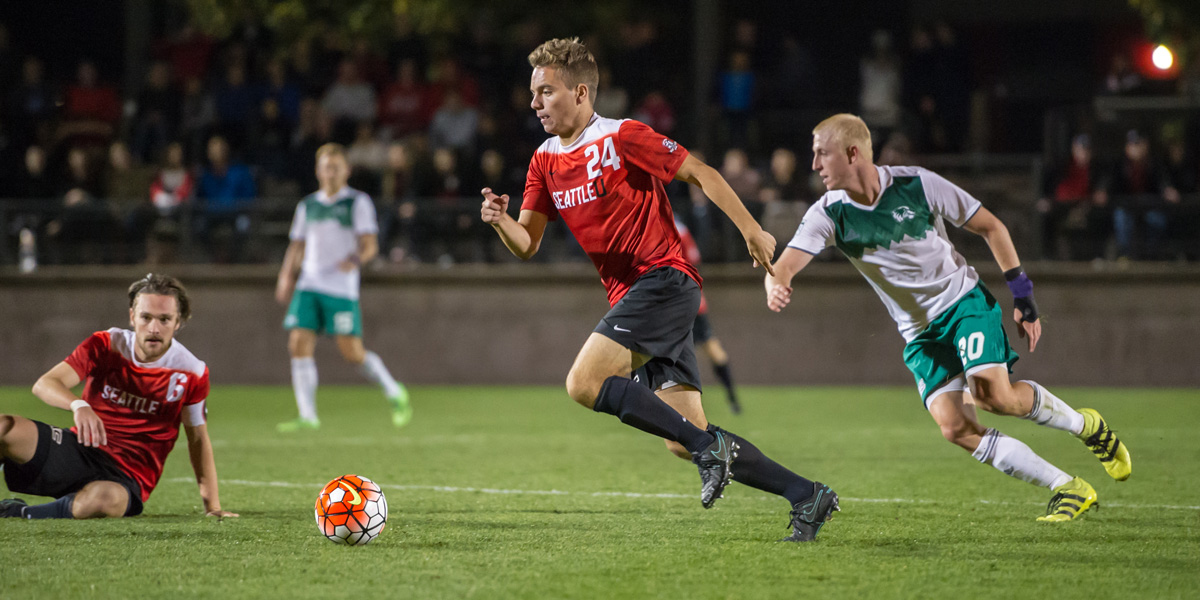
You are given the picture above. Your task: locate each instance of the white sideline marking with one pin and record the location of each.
(502, 491)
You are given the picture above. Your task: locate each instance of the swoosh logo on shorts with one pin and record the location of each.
(357, 498)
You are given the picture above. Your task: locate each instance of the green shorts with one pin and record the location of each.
(324, 314)
(969, 334)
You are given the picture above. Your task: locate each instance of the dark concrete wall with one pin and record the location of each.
(524, 324)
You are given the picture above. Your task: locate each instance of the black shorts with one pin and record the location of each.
(702, 329)
(655, 318)
(61, 465)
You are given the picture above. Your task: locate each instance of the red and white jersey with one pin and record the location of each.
(607, 186)
(141, 404)
(691, 251)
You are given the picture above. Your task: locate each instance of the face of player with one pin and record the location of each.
(333, 172)
(831, 162)
(155, 319)
(563, 110)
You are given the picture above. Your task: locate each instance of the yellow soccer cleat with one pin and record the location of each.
(401, 408)
(1105, 445)
(1070, 500)
(297, 425)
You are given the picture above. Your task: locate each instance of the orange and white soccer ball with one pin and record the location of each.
(351, 510)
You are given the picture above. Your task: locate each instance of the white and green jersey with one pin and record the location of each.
(329, 226)
(899, 244)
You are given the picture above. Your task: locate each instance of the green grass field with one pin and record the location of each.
(506, 492)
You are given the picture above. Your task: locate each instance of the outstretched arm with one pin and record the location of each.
(779, 282)
(760, 243)
(522, 236)
(205, 467)
(985, 224)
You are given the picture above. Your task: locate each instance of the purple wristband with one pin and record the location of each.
(1019, 283)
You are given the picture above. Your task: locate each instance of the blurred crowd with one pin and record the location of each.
(212, 150)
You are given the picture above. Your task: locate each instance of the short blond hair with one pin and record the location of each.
(847, 130)
(331, 149)
(574, 62)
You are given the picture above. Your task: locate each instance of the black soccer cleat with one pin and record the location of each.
(12, 507)
(714, 464)
(734, 406)
(808, 516)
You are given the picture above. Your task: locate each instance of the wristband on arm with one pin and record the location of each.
(78, 404)
(1022, 291)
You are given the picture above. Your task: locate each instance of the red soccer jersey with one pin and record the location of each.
(608, 188)
(141, 404)
(692, 251)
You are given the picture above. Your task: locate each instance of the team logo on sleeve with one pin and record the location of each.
(670, 145)
(903, 214)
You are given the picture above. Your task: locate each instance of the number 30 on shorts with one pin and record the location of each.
(970, 347)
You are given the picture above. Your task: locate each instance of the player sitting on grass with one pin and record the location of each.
(605, 179)
(888, 222)
(140, 385)
(334, 233)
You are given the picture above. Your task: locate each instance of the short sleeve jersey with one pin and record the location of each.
(691, 251)
(140, 404)
(329, 226)
(608, 187)
(899, 244)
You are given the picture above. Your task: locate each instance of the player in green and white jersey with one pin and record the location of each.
(889, 222)
(334, 232)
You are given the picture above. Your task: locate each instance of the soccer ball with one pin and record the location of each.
(351, 510)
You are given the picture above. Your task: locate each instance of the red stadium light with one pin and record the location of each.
(1155, 61)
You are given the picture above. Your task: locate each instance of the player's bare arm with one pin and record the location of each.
(522, 236)
(201, 454)
(368, 247)
(778, 282)
(54, 388)
(985, 224)
(760, 243)
(289, 271)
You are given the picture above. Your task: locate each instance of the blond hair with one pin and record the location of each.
(331, 149)
(574, 62)
(846, 130)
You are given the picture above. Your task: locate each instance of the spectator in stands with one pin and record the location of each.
(156, 112)
(30, 104)
(189, 52)
(1075, 218)
(236, 103)
(91, 109)
(736, 95)
(455, 125)
(35, 183)
(126, 183)
(1137, 191)
(279, 87)
(1121, 78)
(198, 116)
(173, 186)
(404, 106)
(85, 222)
(449, 77)
(349, 101)
(367, 153)
(1182, 175)
(372, 67)
(444, 223)
(783, 195)
(613, 102)
(315, 130)
(226, 193)
(396, 207)
(656, 111)
(880, 78)
(32, 185)
(896, 151)
(269, 150)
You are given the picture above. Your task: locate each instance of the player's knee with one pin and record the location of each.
(581, 388)
(678, 450)
(7, 422)
(103, 501)
(354, 356)
(958, 434)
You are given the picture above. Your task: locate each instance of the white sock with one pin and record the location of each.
(1051, 411)
(374, 369)
(1012, 457)
(304, 383)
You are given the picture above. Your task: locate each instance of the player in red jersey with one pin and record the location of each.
(702, 332)
(605, 179)
(138, 387)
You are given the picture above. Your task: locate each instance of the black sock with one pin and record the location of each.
(639, 407)
(753, 468)
(726, 378)
(59, 509)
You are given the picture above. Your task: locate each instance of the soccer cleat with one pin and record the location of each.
(1070, 500)
(299, 424)
(714, 464)
(734, 406)
(1104, 444)
(808, 516)
(12, 507)
(401, 409)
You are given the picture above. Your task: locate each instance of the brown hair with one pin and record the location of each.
(164, 285)
(847, 130)
(331, 149)
(574, 62)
